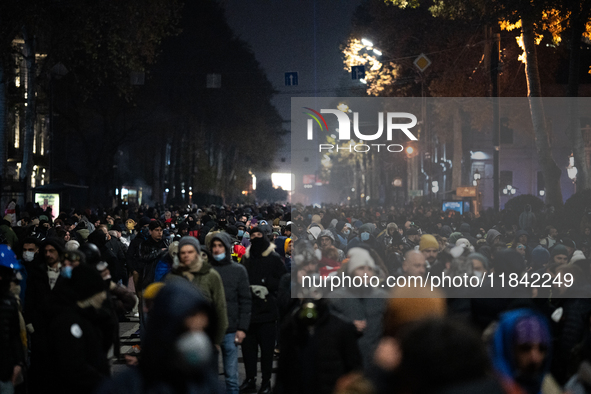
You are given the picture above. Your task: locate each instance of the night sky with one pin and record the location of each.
(295, 35)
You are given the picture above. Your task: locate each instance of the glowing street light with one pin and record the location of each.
(377, 52)
(410, 150)
(366, 42)
(363, 80)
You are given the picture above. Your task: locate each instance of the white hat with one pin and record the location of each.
(359, 257)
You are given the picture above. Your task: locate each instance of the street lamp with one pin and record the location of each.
(571, 170)
(366, 42)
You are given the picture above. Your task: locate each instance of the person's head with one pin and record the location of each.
(217, 247)
(360, 263)
(413, 235)
(559, 254)
(552, 232)
(460, 353)
(156, 230)
(479, 264)
(288, 246)
(325, 239)
(189, 250)
(52, 250)
(414, 264)
(429, 246)
(391, 228)
(88, 287)
(570, 276)
(179, 334)
(570, 246)
(521, 345)
(30, 249)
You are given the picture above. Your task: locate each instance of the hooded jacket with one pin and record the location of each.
(209, 282)
(491, 235)
(503, 347)
(266, 270)
(161, 368)
(236, 287)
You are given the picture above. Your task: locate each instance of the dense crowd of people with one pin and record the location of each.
(208, 281)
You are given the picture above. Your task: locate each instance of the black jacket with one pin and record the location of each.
(312, 363)
(264, 270)
(150, 252)
(78, 350)
(11, 347)
(236, 288)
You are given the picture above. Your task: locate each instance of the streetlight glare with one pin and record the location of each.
(410, 150)
(377, 52)
(343, 107)
(366, 42)
(362, 80)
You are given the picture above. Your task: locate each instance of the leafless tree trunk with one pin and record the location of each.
(549, 168)
(578, 20)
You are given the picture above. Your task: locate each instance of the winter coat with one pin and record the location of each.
(150, 252)
(572, 328)
(370, 309)
(527, 220)
(312, 363)
(264, 270)
(159, 370)
(209, 283)
(9, 235)
(236, 287)
(78, 355)
(11, 347)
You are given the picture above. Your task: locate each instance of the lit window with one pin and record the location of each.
(17, 130)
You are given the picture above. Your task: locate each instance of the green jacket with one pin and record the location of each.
(209, 282)
(9, 234)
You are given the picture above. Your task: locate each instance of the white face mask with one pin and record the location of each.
(196, 349)
(28, 256)
(478, 274)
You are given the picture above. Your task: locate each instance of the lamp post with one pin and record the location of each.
(476, 183)
(571, 170)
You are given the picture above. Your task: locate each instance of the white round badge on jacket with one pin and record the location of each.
(76, 330)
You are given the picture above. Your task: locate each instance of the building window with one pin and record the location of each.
(506, 179)
(506, 132)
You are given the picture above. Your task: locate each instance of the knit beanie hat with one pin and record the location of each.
(189, 240)
(479, 257)
(86, 282)
(539, 256)
(428, 242)
(453, 238)
(559, 249)
(359, 257)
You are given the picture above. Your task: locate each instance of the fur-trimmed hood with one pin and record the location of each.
(267, 251)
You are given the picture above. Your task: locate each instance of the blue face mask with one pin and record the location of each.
(364, 236)
(220, 256)
(240, 233)
(67, 271)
